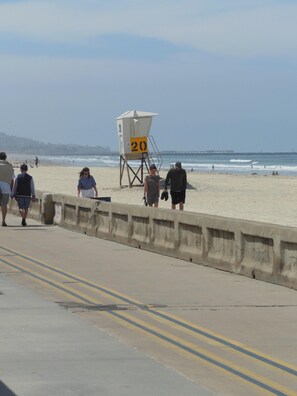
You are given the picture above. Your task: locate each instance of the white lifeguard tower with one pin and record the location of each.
(133, 133)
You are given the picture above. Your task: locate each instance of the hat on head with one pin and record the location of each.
(178, 164)
(153, 166)
(24, 167)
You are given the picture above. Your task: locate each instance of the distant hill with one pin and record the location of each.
(21, 145)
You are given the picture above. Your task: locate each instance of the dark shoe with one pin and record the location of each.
(24, 223)
(4, 224)
(164, 195)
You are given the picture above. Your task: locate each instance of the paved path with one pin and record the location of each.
(84, 316)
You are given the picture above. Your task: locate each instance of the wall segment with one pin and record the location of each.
(263, 251)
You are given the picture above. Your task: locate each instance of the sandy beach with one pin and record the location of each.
(270, 199)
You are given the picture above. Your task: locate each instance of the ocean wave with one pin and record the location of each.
(261, 164)
(240, 160)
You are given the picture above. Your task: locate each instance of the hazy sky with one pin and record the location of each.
(221, 74)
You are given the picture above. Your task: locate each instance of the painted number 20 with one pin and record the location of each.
(139, 146)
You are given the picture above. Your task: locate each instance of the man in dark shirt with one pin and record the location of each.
(24, 192)
(178, 185)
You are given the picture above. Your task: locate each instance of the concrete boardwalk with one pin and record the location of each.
(84, 316)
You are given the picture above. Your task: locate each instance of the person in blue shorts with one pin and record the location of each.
(6, 185)
(24, 192)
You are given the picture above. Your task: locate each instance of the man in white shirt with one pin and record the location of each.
(6, 184)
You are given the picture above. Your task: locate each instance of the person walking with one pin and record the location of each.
(6, 185)
(152, 187)
(86, 187)
(24, 192)
(177, 178)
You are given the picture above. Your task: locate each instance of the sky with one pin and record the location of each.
(221, 74)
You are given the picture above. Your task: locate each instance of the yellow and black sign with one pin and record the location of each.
(139, 144)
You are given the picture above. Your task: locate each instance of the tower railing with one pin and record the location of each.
(154, 156)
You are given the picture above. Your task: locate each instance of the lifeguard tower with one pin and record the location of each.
(133, 133)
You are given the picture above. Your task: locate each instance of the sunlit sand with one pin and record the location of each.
(270, 199)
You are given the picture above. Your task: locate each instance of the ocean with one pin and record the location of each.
(221, 162)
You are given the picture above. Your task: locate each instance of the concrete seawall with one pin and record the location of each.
(263, 251)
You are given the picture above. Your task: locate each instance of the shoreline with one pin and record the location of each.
(226, 165)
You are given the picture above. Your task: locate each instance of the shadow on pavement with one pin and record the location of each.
(4, 391)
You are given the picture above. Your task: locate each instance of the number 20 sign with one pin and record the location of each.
(139, 144)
